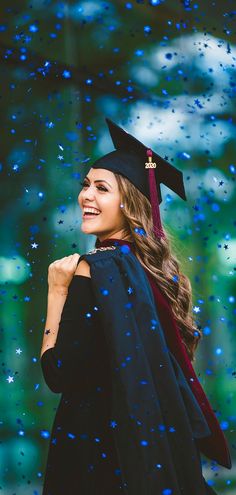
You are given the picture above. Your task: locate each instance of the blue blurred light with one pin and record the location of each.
(144, 443)
(66, 74)
(168, 198)
(206, 330)
(71, 435)
(33, 28)
(184, 155)
(139, 53)
(224, 425)
(125, 249)
(215, 207)
(44, 433)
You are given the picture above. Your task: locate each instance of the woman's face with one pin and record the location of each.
(100, 191)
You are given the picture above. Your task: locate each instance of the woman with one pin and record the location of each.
(152, 446)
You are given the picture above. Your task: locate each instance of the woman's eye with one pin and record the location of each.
(102, 188)
(84, 184)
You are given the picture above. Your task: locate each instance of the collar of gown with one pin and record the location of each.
(113, 241)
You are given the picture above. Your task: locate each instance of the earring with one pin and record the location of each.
(121, 205)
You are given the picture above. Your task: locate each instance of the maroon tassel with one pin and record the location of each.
(157, 225)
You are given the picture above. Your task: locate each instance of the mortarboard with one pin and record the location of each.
(143, 167)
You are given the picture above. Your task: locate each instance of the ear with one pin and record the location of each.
(83, 268)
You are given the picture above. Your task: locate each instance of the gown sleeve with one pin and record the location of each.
(75, 340)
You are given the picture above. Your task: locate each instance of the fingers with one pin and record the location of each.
(67, 259)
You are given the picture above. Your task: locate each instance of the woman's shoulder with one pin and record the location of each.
(83, 268)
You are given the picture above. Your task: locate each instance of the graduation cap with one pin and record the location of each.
(143, 167)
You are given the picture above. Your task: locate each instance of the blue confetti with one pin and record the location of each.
(44, 433)
(105, 292)
(206, 330)
(184, 155)
(215, 207)
(144, 443)
(139, 53)
(66, 74)
(71, 435)
(113, 423)
(33, 28)
(224, 425)
(125, 249)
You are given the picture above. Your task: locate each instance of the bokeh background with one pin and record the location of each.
(164, 70)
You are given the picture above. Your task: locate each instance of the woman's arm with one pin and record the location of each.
(56, 300)
(55, 304)
(68, 345)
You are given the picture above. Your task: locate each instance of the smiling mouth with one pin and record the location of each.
(90, 215)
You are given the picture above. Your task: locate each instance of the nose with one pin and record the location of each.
(87, 194)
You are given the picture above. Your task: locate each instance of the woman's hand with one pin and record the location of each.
(60, 273)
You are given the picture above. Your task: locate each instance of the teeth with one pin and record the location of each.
(91, 210)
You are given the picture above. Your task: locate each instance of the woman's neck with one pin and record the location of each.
(112, 241)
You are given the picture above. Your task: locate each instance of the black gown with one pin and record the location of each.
(81, 457)
(110, 434)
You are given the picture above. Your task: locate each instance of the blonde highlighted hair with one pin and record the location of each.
(155, 255)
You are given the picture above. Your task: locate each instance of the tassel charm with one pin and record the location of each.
(157, 225)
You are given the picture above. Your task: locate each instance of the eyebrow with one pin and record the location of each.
(98, 180)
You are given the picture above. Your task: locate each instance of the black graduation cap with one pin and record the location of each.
(143, 167)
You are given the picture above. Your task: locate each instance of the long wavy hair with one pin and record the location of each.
(155, 255)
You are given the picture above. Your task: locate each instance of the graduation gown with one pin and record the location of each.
(81, 457)
(160, 423)
(157, 420)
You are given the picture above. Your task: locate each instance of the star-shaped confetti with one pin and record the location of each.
(10, 379)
